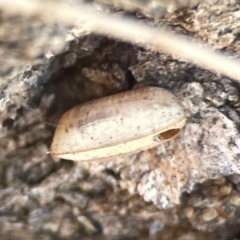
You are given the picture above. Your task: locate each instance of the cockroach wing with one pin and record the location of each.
(123, 123)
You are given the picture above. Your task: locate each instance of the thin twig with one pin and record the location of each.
(128, 30)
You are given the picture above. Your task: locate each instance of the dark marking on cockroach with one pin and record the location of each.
(168, 134)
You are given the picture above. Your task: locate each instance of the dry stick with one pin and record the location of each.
(128, 30)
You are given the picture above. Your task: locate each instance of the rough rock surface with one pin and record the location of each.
(185, 189)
